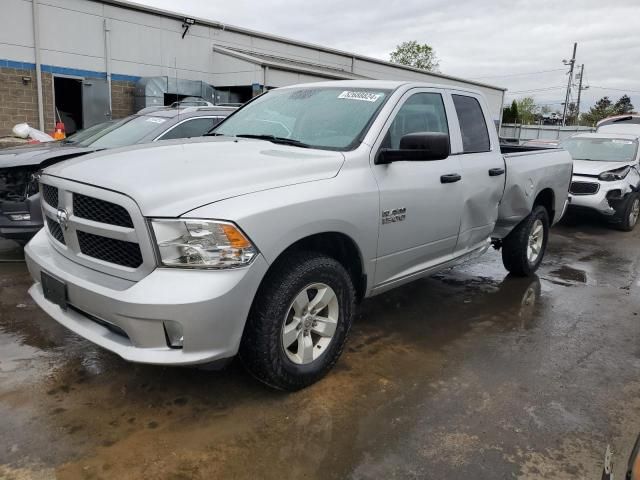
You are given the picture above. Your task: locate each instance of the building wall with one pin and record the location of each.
(74, 33)
(122, 98)
(19, 99)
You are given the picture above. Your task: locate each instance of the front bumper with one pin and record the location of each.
(22, 230)
(606, 200)
(210, 305)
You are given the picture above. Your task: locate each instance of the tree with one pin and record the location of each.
(416, 55)
(527, 110)
(623, 105)
(510, 114)
(602, 109)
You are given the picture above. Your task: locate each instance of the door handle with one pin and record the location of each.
(450, 178)
(496, 172)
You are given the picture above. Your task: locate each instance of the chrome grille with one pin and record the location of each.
(584, 188)
(50, 195)
(100, 211)
(56, 231)
(110, 250)
(101, 229)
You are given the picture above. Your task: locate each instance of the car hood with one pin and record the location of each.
(36, 154)
(170, 178)
(593, 167)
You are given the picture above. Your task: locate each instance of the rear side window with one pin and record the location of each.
(475, 137)
(422, 112)
(192, 128)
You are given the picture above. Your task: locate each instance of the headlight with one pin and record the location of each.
(613, 175)
(192, 243)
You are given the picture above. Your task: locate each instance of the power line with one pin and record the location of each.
(615, 89)
(520, 74)
(541, 89)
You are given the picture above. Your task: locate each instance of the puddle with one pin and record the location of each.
(570, 274)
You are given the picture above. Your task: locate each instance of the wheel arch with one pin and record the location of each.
(337, 245)
(546, 199)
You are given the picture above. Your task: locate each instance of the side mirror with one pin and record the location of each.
(417, 147)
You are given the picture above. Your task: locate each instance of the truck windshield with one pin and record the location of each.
(327, 118)
(601, 149)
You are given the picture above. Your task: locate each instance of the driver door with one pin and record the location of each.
(420, 201)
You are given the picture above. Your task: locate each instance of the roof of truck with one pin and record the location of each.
(381, 84)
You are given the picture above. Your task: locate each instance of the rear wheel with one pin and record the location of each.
(523, 249)
(629, 213)
(299, 321)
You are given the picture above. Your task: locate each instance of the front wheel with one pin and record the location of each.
(523, 249)
(629, 213)
(299, 321)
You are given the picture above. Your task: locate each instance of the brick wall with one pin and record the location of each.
(19, 101)
(122, 98)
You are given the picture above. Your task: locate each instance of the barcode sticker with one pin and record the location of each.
(363, 96)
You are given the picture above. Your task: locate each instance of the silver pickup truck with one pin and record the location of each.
(261, 239)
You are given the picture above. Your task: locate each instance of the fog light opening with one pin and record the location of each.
(173, 334)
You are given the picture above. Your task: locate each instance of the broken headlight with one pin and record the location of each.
(192, 243)
(18, 183)
(613, 175)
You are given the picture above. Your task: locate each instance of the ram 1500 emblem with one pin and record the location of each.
(393, 216)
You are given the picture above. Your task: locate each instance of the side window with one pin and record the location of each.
(475, 137)
(191, 128)
(422, 112)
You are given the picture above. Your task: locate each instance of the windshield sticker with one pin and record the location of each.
(624, 142)
(364, 96)
(156, 120)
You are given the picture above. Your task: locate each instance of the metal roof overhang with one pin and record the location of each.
(288, 64)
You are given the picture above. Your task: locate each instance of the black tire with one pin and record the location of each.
(627, 224)
(514, 246)
(262, 350)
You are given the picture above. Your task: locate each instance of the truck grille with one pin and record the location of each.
(584, 188)
(100, 229)
(50, 195)
(56, 231)
(110, 250)
(101, 211)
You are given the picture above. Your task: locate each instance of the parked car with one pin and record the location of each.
(629, 123)
(606, 176)
(261, 239)
(20, 212)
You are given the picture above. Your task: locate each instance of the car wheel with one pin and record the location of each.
(630, 213)
(524, 248)
(299, 321)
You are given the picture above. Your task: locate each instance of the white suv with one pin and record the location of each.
(606, 175)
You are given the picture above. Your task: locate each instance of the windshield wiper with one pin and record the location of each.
(274, 139)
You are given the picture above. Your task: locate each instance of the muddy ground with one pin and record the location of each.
(470, 374)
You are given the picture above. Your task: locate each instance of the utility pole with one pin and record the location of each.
(571, 63)
(579, 92)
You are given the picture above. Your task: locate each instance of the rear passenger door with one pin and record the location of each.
(483, 170)
(191, 127)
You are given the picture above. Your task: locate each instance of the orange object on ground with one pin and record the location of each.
(59, 133)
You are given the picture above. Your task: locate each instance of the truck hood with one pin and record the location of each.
(170, 178)
(36, 154)
(595, 168)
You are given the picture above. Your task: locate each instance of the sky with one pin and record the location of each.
(516, 44)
